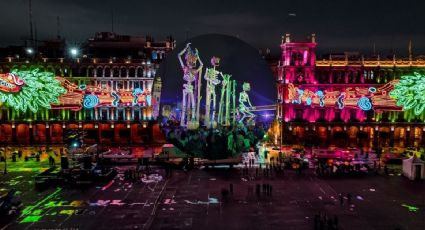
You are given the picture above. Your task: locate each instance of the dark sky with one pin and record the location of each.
(339, 24)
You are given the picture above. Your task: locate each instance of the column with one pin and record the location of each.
(48, 136)
(408, 136)
(96, 114)
(330, 76)
(31, 131)
(14, 133)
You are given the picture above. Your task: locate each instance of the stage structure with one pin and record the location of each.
(192, 75)
(225, 110)
(211, 76)
(245, 104)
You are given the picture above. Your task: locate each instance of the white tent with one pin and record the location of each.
(414, 168)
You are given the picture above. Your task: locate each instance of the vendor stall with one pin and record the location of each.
(414, 168)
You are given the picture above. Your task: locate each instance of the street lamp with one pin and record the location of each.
(5, 160)
(73, 52)
(30, 51)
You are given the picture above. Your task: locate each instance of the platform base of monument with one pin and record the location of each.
(192, 125)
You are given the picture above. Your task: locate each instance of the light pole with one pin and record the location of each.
(30, 51)
(73, 52)
(281, 132)
(5, 160)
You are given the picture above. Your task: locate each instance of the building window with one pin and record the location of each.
(136, 84)
(353, 115)
(132, 72)
(299, 114)
(337, 115)
(385, 116)
(104, 114)
(116, 72)
(121, 114)
(370, 115)
(322, 114)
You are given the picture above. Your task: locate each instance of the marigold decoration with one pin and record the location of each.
(409, 93)
(35, 90)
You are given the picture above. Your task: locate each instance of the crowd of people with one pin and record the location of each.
(325, 167)
(322, 221)
(216, 143)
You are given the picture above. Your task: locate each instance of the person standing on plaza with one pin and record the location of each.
(349, 198)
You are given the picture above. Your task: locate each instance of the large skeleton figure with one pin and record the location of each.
(224, 105)
(212, 80)
(245, 103)
(191, 74)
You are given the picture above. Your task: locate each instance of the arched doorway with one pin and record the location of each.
(416, 136)
(56, 133)
(399, 137)
(384, 136)
(106, 133)
(6, 133)
(22, 134)
(353, 132)
(339, 137)
(39, 133)
(299, 133)
(121, 134)
(366, 136)
(322, 132)
(91, 133)
(399, 133)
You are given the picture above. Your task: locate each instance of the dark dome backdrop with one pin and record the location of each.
(237, 58)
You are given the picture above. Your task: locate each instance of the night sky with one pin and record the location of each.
(340, 25)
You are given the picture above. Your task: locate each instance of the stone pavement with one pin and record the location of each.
(193, 200)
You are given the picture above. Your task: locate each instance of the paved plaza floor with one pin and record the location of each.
(194, 200)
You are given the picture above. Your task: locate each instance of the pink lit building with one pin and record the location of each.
(343, 99)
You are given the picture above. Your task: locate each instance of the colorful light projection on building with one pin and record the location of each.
(89, 97)
(34, 90)
(364, 98)
(409, 93)
(29, 90)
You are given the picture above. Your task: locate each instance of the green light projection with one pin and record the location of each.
(39, 91)
(411, 208)
(409, 93)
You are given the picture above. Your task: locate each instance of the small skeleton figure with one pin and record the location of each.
(224, 105)
(191, 74)
(211, 75)
(243, 102)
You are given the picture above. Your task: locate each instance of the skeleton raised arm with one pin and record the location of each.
(181, 54)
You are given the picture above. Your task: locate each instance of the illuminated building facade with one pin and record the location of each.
(348, 100)
(105, 87)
